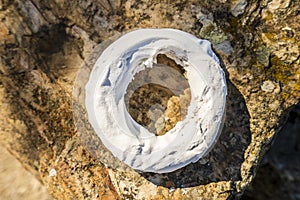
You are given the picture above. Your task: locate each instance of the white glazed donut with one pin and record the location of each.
(130, 142)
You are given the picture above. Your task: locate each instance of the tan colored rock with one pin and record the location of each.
(43, 44)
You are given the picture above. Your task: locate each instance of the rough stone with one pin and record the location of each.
(36, 121)
(268, 86)
(238, 7)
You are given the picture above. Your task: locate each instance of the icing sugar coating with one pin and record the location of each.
(130, 142)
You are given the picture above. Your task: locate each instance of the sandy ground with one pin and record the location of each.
(17, 183)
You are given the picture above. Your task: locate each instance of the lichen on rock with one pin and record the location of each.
(36, 80)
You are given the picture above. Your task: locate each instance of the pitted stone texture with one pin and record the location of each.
(36, 119)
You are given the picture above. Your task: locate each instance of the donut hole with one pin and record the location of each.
(158, 98)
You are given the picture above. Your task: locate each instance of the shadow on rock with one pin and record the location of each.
(224, 161)
(279, 175)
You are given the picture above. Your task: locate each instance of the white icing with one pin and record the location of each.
(133, 144)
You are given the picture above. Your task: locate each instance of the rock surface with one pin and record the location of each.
(17, 183)
(279, 174)
(44, 43)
